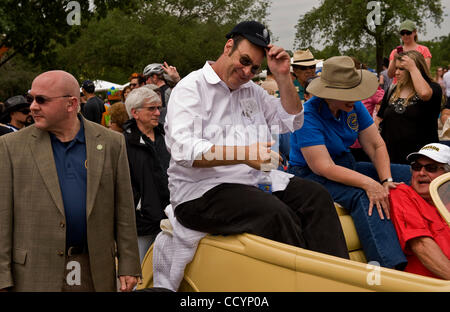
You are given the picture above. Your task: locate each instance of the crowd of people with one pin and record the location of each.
(223, 155)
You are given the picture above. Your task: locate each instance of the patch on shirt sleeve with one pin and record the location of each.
(352, 122)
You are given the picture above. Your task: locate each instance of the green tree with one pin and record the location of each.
(344, 23)
(184, 33)
(32, 28)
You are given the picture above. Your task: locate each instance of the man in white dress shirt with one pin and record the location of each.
(219, 127)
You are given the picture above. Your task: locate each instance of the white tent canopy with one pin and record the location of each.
(102, 85)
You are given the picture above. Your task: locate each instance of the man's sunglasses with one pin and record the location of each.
(405, 32)
(40, 99)
(24, 111)
(133, 85)
(428, 167)
(246, 61)
(305, 67)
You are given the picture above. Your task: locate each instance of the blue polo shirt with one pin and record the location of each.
(70, 161)
(320, 127)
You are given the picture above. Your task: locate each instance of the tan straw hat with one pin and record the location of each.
(304, 58)
(340, 80)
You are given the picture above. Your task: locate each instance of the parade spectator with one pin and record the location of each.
(94, 108)
(424, 235)
(159, 74)
(385, 80)
(3, 128)
(148, 160)
(16, 114)
(269, 84)
(446, 78)
(334, 118)
(304, 66)
(409, 112)
(117, 116)
(74, 202)
(370, 105)
(136, 81)
(213, 180)
(440, 78)
(408, 34)
(125, 92)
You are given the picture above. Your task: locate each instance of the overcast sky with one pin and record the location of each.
(284, 15)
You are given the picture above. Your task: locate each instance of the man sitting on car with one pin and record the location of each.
(424, 236)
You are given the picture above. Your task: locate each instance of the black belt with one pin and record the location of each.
(76, 250)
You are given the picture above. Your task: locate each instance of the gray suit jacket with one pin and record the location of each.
(32, 220)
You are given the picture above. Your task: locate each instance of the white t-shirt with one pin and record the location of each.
(203, 112)
(446, 79)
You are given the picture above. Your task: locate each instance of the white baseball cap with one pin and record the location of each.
(435, 151)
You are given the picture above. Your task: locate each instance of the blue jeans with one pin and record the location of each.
(378, 237)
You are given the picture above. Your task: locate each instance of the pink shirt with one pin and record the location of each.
(370, 104)
(419, 48)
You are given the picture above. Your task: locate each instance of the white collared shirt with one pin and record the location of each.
(203, 112)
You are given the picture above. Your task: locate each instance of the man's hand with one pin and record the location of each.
(260, 156)
(172, 72)
(278, 60)
(127, 283)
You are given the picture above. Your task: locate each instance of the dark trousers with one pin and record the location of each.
(302, 215)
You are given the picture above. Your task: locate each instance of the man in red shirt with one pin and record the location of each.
(423, 234)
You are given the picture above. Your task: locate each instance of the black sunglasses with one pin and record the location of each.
(432, 168)
(133, 85)
(405, 32)
(301, 67)
(40, 99)
(24, 111)
(246, 61)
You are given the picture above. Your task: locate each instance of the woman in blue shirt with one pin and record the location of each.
(334, 119)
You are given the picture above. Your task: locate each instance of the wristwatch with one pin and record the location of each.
(387, 180)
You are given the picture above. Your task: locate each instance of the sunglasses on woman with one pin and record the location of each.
(40, 99)
(432, 168)
(301, 67)
(405, 32)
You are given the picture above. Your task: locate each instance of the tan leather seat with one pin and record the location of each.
(351, 237)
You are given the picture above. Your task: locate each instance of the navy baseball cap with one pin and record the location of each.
(253, 31)
(89, 86)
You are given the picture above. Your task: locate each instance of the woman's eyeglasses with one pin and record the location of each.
(432, 168)
(405, 32)
(152, 109)
(40, 99)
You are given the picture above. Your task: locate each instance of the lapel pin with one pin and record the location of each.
(99, 147)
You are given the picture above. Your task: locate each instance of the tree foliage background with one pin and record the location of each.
(119, 38)
(342, 24)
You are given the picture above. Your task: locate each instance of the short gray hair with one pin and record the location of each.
(447, 168)
(138, 97)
